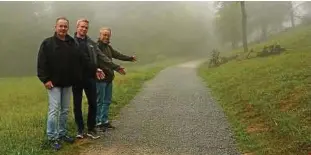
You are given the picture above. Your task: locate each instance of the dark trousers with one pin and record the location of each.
(89, 87)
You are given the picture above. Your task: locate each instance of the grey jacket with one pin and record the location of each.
(111, 53)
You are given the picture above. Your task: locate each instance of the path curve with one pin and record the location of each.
(173, 114)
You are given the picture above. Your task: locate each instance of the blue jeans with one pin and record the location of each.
(104, 96)
(59, 100)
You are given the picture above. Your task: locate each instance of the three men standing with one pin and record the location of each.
(68, 64)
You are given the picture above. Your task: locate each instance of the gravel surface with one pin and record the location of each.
(173, 114)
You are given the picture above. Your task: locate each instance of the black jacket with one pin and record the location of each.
(94, 54)
(111, 53)
(62, 62)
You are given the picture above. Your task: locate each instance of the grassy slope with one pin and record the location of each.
(268, 100)
(23, 103)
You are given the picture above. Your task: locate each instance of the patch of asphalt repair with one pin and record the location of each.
(174, 114)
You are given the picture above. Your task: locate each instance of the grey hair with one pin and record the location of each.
(105, 28)
(82, 20)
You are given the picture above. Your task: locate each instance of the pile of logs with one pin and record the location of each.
(271, 50)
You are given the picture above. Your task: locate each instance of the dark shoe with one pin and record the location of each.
(46, 144)
(80, 135)
(93, 134)
(99, 124)
(101, 128)
(108, 126)
(55, 145)
(67, 139)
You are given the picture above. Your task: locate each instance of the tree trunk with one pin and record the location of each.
(292, 19)
(263, 32)
(244, 27)
(233, 44)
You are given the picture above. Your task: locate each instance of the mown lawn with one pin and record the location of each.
(268, 100)
(23, 103)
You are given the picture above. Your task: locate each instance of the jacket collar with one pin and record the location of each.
(86, 37)
(67, 37)
(99, 42)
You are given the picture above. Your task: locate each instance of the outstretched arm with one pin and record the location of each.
(104, 61)
(120, 56)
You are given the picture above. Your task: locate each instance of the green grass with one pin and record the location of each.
(23, 103)
(268, 100)
(285, 39)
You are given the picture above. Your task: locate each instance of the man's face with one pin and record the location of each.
(105, 36)
(82, 28)
(61, 27)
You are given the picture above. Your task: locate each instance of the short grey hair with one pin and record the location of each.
(82, 20)
(104, 28)
(62, 18)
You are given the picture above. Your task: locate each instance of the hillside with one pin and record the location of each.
(267, 100)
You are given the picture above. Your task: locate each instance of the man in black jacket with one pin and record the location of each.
(104, 86)
(59, 66)
(88, 83)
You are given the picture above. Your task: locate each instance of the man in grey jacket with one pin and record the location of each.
(104, 86)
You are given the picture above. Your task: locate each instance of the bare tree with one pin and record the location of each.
(292, 14)
(244, 26)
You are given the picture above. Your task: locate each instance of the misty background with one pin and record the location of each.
(153, 31)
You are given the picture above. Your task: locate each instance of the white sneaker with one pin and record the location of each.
(93, 134)
(80, 136)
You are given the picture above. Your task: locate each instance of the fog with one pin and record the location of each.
(263, 20)
(153, 31)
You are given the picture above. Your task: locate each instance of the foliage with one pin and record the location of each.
(267, 16)
(264, 17)
(306, 18)
(228, 23)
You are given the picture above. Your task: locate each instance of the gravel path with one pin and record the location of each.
(173, 114)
